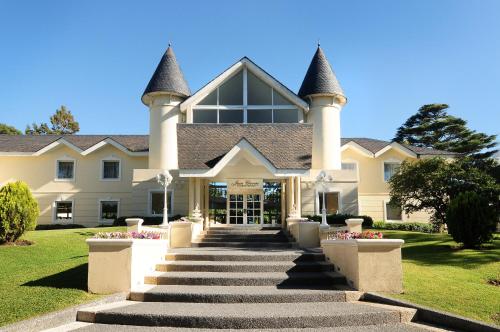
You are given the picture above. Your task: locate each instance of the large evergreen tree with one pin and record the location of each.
(9, 130)
(433, 127)
(63, 123)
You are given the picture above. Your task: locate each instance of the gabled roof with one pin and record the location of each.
(83, 144)
(257, 71)
(375, 147)
(320, 78)
(167, 77)
(285, 146)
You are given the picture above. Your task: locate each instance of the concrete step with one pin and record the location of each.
(243, 232)
(398, 327)
(238, 294)
(243, 315)
(244, 238)
(235, 266)
(222, 244)
(254, 255)
(280, 279)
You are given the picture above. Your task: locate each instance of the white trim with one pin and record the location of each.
(398, 147)
(243, 145)
(112, 142)
(160, 191)
(55, 144)
(101, 173)
(356, 147)
(328, 190)
(385, 202)
(99, 210)
(65, 158)
(243, 63)
(389, 161)
(54, 212)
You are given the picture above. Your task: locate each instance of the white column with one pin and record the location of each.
(190, 196)
(197, 190)
(298, 197)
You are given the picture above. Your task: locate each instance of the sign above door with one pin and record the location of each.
(239, 185)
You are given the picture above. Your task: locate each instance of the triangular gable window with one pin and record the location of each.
(245, 98)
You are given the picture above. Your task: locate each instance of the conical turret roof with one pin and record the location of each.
(168, 77)
(320, 78)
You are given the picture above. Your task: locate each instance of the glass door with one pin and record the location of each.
(244, 209)
(253, 208)
(236, 209)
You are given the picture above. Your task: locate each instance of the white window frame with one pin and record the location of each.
(245, 107)
(328, 190)
(111, 158)
(150, 202)
(99, 210)
(386, 201)
(54, 212)
(65, 158)
(351, 161)
(389, 161)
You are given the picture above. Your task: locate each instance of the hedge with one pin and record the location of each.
(339, 219)
(410, 226)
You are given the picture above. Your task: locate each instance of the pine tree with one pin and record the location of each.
(433, 127)
(63, 123)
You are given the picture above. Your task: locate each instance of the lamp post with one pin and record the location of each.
(321, 180)
(164, 179)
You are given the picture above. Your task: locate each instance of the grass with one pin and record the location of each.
(438, 275)
(49, 275)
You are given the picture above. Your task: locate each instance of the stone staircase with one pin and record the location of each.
(245, 279)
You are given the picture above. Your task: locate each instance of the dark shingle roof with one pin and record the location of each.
(29, 143)
(375, 145)
(286, 146)
(168, 77)
(320, 78)
(265, 137)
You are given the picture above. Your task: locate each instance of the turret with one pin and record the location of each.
(165, 91)
(322, 91)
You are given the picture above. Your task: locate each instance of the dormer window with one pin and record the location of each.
(245, 98)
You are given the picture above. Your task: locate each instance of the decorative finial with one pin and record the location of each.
(169, 44)
(319, 44)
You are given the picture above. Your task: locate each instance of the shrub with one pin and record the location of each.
(410, 226)
(147, 220)
(18, 211)
(339, 219)
(471, 219)
(57, 226)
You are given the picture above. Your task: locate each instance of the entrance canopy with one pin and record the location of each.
(280, 150)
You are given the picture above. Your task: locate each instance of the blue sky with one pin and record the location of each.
(96, 57)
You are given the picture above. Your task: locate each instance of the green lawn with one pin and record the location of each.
(49, 275)
(438, 275)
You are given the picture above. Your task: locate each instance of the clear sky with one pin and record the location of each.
(391, 57)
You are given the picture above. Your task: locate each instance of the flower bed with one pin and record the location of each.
(144, 235)
(346, 235)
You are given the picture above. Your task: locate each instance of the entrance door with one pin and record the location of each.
(244, 209)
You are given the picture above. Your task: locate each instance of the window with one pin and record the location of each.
(390, 168)
(331, 202)
(349, 166)
(108, 210)
(393, 212)
(204, 116)
(286, 116)
(156, 203)
(231, 103)
(65, 170)
(63, 211)
(110, 170)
